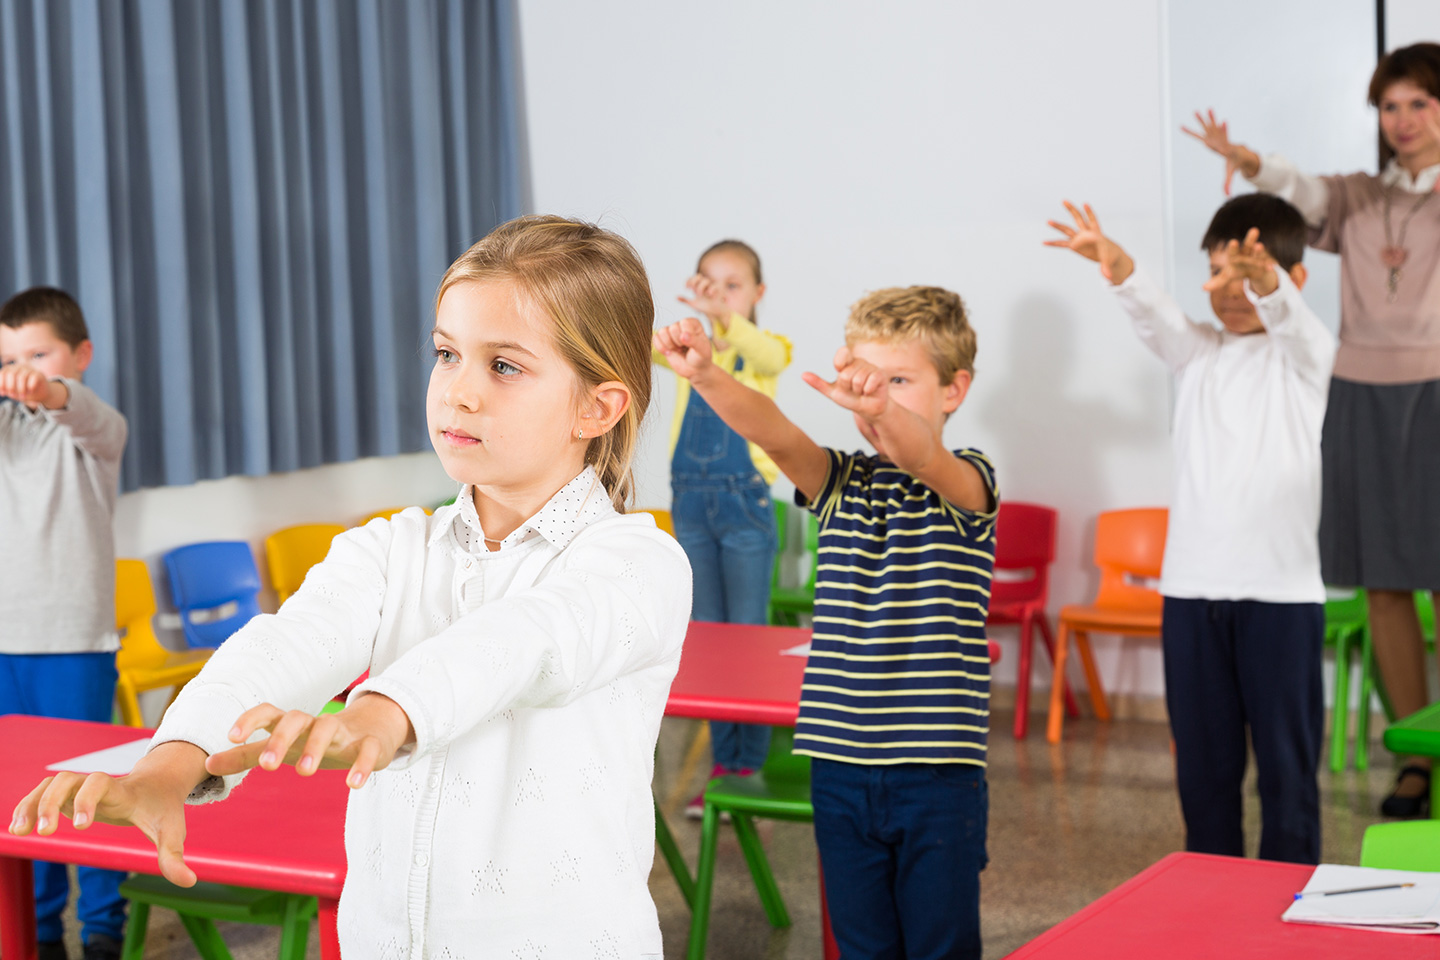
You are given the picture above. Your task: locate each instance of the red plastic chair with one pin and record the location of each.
(1025, 547)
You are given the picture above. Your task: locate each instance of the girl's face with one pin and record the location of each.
(503, 405)
(732, 273)
(1404, 107)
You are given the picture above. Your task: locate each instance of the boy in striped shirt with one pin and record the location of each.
(895, 705)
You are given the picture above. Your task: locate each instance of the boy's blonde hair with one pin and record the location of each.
(591, 284)
(932, 315)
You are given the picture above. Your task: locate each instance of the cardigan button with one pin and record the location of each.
(421, 860)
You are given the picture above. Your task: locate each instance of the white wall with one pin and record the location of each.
(860, 145)
(1410, 21)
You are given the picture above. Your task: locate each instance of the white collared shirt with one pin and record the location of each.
(520, 823)
(1245, 507)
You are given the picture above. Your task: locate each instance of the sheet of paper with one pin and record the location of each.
(799, 650)
(1414, 909)
(116, 761)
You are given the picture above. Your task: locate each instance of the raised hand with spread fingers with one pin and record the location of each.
(1215, 134)
(1087, 239)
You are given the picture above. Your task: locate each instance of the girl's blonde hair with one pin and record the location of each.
(591, 284)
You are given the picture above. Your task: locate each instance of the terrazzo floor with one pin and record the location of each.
(1067, 824)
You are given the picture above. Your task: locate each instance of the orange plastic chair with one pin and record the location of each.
(142, 662)
(1025, 548)
(291, 552)
(662, 519)
(1129, 548)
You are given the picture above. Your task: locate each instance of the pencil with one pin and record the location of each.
(1332, 893)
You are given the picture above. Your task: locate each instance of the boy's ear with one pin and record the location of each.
(956, 389)
(607, 404)
(1298, 275)
(84, 353)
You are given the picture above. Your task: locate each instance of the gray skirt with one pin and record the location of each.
(1380, 505)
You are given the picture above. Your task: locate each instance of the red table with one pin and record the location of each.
(1192, 906)
(735, 673)
(241, 841)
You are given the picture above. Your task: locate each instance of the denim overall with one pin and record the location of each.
(725, 522)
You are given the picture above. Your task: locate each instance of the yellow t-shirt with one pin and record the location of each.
(766, 354)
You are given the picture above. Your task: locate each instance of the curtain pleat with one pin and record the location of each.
(253, 201)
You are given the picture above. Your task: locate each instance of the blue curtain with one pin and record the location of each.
(253, 201)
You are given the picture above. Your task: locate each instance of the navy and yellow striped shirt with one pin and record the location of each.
(899, 668)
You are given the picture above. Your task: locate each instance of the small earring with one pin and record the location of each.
(579, 434)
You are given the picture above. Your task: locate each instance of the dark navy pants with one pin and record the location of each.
(70, 686)
(1233, 666)
(901, 849)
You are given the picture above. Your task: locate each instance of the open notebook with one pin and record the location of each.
(1414, 909)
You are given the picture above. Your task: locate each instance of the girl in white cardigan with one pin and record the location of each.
(520, 643)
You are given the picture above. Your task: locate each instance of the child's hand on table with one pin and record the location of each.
(1246, 261)
(685, 347)
(151, 797)
(364, 737)
(1215, 134)
(1087, 239)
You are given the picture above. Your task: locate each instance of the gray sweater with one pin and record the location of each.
(59, 470)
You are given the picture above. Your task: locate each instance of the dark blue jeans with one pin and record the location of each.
(728, 533)
(70, 686)
(1233, 666)
(901, 848)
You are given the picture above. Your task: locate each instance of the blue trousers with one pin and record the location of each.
(728, 533)
(1233, 665)
(901, 849)
(70, 686)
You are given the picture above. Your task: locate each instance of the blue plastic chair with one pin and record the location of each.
(207, 576)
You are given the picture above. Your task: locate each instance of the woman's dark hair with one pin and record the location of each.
(1282, 228)
(1419, 63)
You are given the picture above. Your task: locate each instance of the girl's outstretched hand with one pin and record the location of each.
(1087, 239)
(1215, 134)
(364, 737)
(152, 798)
(705, 298)
(685, 347)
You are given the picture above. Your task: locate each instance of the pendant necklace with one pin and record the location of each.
(1393, 254)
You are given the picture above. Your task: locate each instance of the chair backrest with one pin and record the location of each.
(1407, 845)
(1346, 612)
(291, 552)
(1024, 544)
(385, 514)
(1129, 549)
(134, 616)
(208, 576)
(781, 763)
(662, 519)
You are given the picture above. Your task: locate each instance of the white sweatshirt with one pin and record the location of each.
(1245, 511)
(521, 823)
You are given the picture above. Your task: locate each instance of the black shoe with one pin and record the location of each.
(51, 950)
(1408, 808)
(101, 947)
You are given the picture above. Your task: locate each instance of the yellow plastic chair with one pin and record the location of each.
(142, 663)
(385, 514)
(291, 553)
(662, 519)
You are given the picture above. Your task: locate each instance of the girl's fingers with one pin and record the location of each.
(236, 759)
(283, 735)
(317, 744)
(88, 797)
(55, 798)
(22, 821)
(253, 719)
(365, 760)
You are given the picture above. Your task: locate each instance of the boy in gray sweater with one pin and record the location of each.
(60, 448)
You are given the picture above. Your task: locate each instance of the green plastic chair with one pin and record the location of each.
(780, 791)
(787, 603)
(201, 905)
(1347, 630)
(1370, 684)
(1406, 845)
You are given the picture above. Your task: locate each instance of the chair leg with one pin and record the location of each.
(670, 850)
(207, 939)
(1056, 722)
(765, 885)
(1340, 712)
(129, 704)
(1022, 679)
(134, 946)
(295, 930)
(1092, 676)
(1367, 691)
(1071, 707)
(704, 884)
